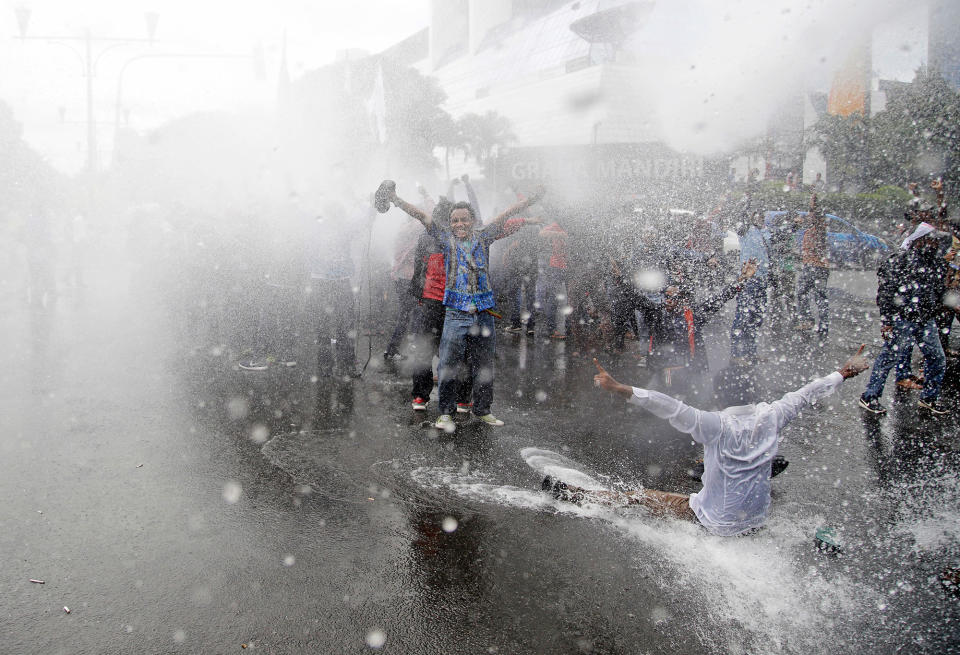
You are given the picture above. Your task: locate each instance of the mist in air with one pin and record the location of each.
(494, 326)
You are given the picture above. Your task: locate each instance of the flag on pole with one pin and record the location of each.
(377, 108)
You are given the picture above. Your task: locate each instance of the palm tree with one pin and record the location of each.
(484, 134)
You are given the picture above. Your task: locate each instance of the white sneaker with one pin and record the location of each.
(445, 423)
(490, 419)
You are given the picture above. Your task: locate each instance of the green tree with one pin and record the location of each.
(918, 133)
(843, 140)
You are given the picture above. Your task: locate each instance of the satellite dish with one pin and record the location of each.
(613, 25)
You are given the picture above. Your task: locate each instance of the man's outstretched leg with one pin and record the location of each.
(662, 504)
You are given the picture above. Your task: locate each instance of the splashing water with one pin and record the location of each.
(757, 584)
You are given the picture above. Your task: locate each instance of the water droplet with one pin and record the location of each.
(376, 638)
(232, 491)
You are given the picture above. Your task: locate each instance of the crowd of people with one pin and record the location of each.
(661, 287)
(540, 270)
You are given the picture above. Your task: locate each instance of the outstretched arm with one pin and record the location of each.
(702, 426)
(637, 299)
(519, 207)
(712, 305)
(412, 210)
(788, 407)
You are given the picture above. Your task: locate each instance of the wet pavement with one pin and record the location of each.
(177, 504)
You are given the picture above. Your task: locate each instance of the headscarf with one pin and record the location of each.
(922, 230)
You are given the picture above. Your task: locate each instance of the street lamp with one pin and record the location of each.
(89, 62)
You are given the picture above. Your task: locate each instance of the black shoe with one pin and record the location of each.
(934, 406)
(873, 405)
(381, 200)
(696, 471)
(778, 466)
(561, 491)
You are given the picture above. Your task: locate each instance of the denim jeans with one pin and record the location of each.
(426, 341)
(748, 319)
(468, 340)
(904, 334)
(814, 278)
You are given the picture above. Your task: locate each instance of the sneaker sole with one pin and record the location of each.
(863, 405)
(935, 412)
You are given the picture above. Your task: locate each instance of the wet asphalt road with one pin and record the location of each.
(179, 505)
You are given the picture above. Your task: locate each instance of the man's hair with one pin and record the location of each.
(464, 205)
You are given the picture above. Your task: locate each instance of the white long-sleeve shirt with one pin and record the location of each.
(739, 444)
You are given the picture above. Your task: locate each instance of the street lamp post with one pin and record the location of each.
(89, 62)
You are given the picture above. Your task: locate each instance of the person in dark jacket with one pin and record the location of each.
(676, 324)
(910, 293)
(520, 261)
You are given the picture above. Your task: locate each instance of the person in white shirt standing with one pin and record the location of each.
(739, 445)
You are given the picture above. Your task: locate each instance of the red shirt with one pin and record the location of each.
(558, 241)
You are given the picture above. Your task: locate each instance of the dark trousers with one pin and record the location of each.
(405, 306)
(814, 279)
(522, 295)
(944, 324)
(332, 304)
(554, 288)
(429, 328)
(748, 319)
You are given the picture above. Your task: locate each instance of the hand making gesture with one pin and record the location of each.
(605, 381)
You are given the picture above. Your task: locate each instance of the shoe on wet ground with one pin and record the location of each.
(513, 329)
(445, 423)
(419, 404)
(909, 384)
(393, 357)
(934, 406)
(489, 419)
(562, 491)
(778, 466)
(464, 408)
(253, 365)
(872, 405)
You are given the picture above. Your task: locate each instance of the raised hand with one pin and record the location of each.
(855, 365)
(605, 381)
(749, 269)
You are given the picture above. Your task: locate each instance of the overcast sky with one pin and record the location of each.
(43, 82)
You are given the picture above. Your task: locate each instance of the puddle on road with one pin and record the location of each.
(765, 593)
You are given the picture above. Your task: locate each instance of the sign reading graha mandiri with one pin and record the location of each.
(607, 164)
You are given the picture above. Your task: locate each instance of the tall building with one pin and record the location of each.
(565, 76)
(943, 42)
